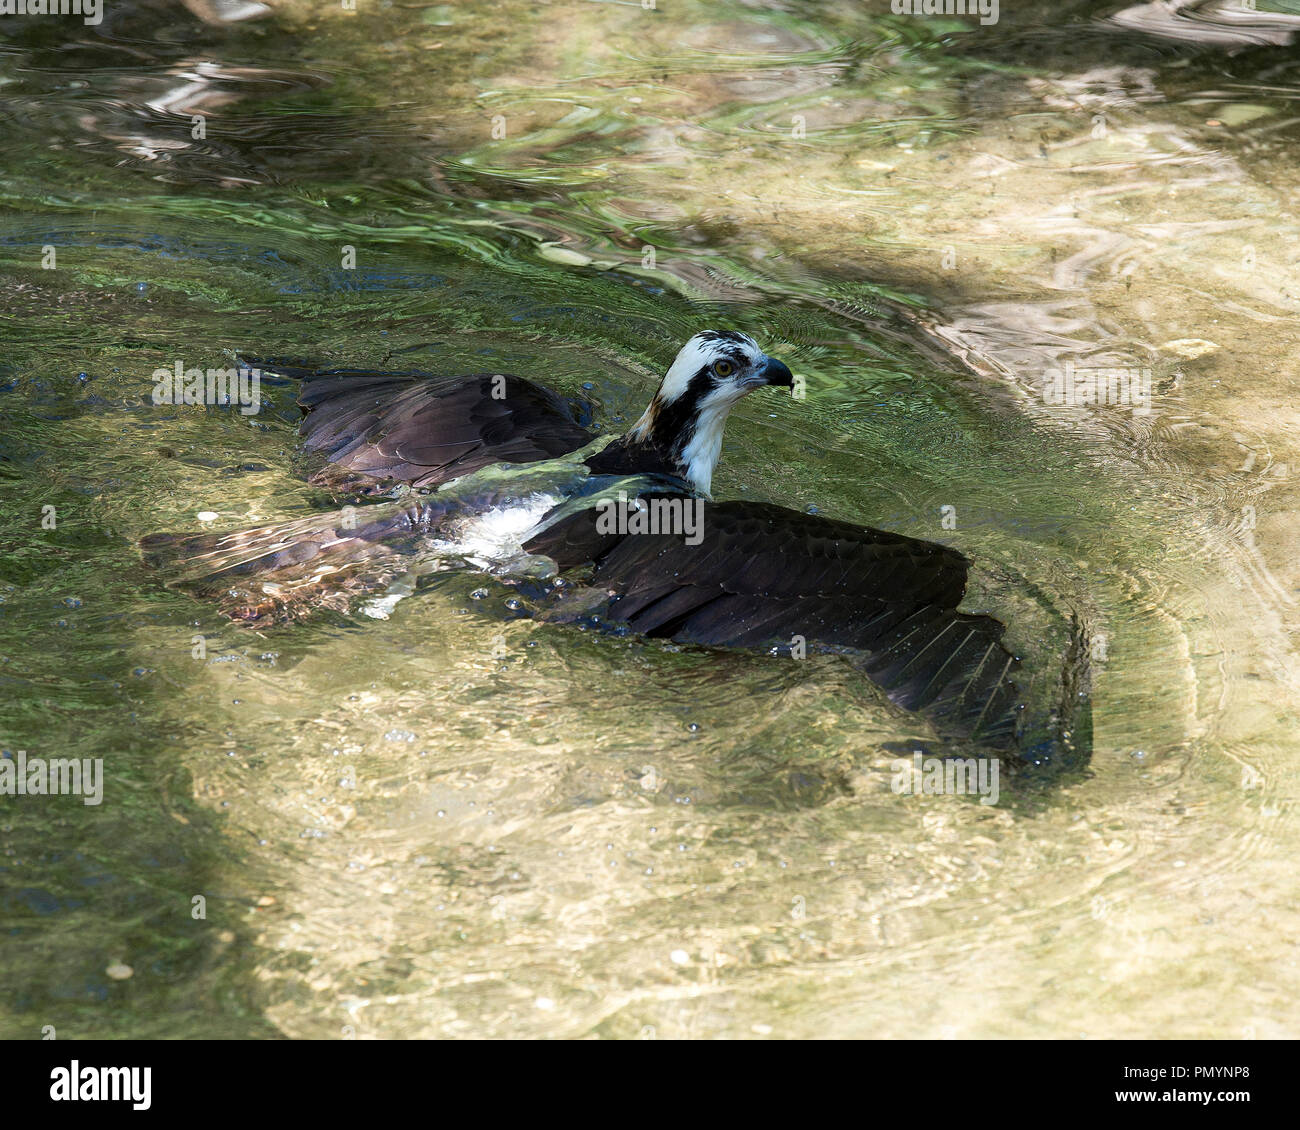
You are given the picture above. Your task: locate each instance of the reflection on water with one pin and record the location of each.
(463, 822)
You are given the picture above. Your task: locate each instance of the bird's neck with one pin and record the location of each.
(685, 435)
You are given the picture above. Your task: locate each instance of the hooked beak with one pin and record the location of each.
(774, 372)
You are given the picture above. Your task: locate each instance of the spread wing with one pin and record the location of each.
(424, 430)
(766, 577)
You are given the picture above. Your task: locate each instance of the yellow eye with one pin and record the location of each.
(723, 368)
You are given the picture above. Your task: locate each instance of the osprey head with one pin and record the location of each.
(710, 373)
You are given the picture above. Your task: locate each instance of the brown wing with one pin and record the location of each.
(425, 430)
(766, 577)
(286, 571)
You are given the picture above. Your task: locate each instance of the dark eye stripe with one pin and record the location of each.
(700, 386)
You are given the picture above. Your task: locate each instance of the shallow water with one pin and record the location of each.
(461, 822)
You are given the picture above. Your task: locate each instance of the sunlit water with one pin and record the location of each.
(462, 822)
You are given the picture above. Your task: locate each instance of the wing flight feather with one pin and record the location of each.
(426, 430)
(763, 577)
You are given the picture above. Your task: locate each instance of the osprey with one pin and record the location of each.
(496, 473)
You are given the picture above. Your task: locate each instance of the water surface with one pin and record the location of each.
(462, 822)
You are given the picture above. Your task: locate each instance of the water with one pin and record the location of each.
(460, 821)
